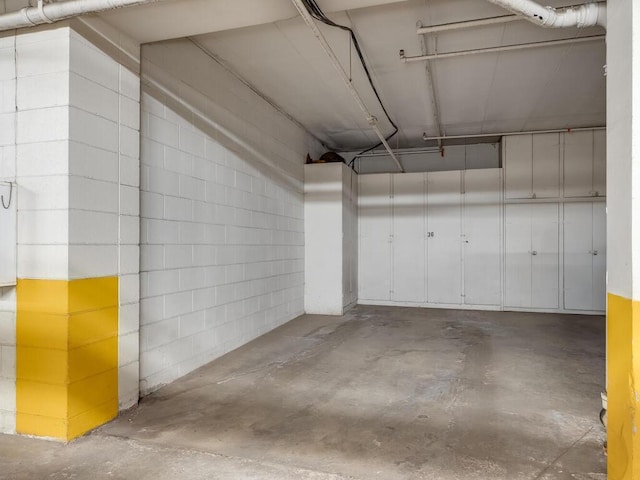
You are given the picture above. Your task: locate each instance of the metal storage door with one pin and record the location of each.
(444, 262)
(599, 257)
(481, 229)
(600, 163)
(408, 238)
(518, 255)
(374, 263)
(544, 255)
(546, 165)
(578, 256)
(578, 164)
(518, 168)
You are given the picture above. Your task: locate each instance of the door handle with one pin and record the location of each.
(534, 253)
(593, 252)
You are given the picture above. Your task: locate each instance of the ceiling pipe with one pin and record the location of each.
(373, 121)
(482, 22)
(587, 15)
(53, 12)
(508, 134)
(505, 48)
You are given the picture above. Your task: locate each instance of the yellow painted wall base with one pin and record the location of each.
(66, 356)
(623, 390)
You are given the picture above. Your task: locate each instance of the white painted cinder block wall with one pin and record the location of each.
(104, 177)
(222, 245)
(69, 138)
(8, 80)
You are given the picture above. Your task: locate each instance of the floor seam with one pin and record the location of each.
(545, 469)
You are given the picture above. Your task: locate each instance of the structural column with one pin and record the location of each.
(331, 233)
(623, 238)
(77, 294)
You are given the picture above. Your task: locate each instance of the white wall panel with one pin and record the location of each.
(482, 236)
(374, 259)
(408, 276)
(444, 242)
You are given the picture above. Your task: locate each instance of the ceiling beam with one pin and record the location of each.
(431, 86)
(186, 18)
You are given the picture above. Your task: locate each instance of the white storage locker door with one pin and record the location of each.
(444, 248)
(517, 255)
(600, 163)
(578, 256)
(374, 262)
(517, 166)
(599, 255)
(408, 267)
(544, 255)
(482, 236)
(546, 165)
(578, 164)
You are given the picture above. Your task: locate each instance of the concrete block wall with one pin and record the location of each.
(69, 111)
(32, 122)
(7, 294)
(7, 173)
(222, 245)
(104, 179)
(7, 360)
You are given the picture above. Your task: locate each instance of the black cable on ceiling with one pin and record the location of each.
(315, 11)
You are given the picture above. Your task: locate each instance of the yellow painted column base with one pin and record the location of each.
(66, 356)
(623, 390)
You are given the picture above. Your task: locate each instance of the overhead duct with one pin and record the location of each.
(53, 12)
(587, 15)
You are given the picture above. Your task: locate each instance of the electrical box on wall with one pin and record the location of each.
(8, 234)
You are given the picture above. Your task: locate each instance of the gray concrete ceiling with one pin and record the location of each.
(537, 89)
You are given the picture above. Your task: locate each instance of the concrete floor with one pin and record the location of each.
(389, 393)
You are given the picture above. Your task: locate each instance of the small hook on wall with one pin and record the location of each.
(7, 205)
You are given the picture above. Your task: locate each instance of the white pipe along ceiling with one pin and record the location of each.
(587, 15)
(504, 48)
(482, 22)
(53, 12)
